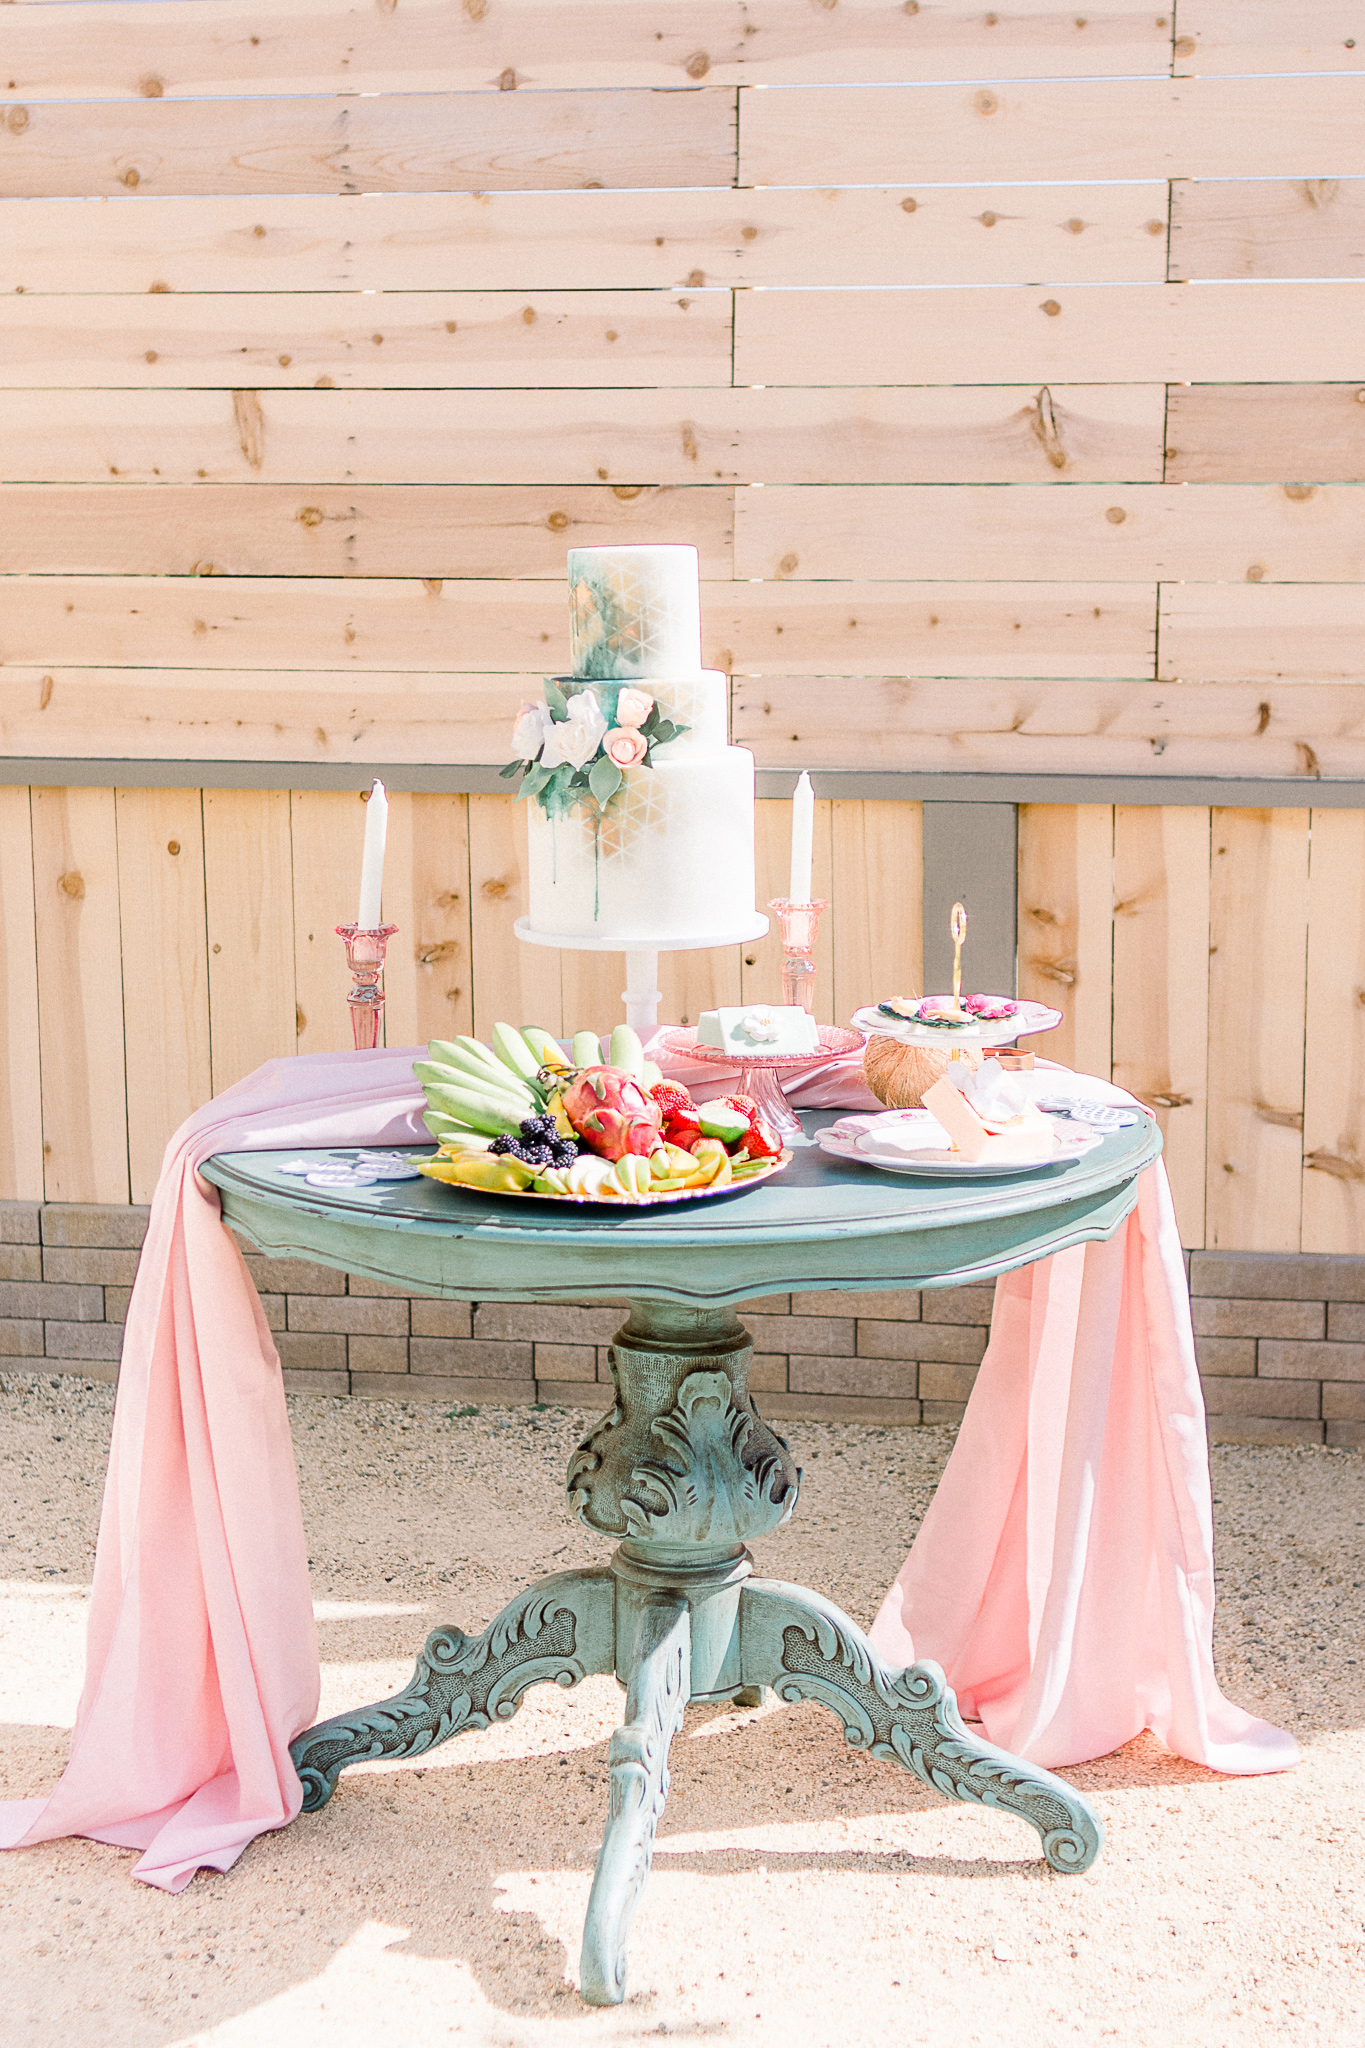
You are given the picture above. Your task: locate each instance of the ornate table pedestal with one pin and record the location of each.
(684, 1470)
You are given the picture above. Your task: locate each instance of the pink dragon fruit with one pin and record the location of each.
(612, 1114)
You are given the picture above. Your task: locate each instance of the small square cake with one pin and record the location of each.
(757, 1030)
(1025, 1138)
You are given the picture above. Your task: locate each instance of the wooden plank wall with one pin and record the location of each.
(1005, 367)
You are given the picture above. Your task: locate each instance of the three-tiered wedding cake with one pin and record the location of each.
(641, 815)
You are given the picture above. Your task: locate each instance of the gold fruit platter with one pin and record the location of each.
(766, 1172)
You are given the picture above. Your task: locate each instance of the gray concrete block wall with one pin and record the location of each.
(1280, 1337)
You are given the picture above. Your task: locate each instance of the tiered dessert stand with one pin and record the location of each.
(1027, 1019)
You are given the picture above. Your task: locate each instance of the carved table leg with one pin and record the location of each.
(806, 1649)
(660, 1680)
(685, 1472)
(561, 1629)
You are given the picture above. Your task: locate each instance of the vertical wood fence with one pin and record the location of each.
(1005, 368)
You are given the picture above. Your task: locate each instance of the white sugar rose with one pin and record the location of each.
(633, 708)
(528, 734)
(575, 739)
(626, 747)
(761, 1026)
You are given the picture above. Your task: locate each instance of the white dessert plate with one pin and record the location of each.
(914, 1141)
(1028, 1018)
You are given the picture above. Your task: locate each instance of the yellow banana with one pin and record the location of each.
(554, 1106)
(494, 1172)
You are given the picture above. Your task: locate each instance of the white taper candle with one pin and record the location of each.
(372, 866)
(803, 831)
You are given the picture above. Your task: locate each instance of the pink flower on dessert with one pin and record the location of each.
(528, 734)
(633, 708)
(625, 746)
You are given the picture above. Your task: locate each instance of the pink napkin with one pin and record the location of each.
(1063, 1575)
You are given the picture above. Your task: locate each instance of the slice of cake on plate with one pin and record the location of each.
(1024, 1138)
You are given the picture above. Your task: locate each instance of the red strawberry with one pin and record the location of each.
(673, 1098)
(682, 1129)
(742, 1105)
(762, 1141)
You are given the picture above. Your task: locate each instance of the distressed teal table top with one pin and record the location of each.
(820, 1224)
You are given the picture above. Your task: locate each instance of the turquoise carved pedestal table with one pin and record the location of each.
(683, 1471)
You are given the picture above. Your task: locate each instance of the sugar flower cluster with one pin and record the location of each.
(576, 749)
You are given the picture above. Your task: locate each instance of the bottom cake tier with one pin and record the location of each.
(670, 858)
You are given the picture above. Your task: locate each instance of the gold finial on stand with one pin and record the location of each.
(957, 931)
(957, 928)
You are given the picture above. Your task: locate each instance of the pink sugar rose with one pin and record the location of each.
(633, 707)
(625, 746)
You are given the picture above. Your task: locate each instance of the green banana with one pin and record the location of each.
(504, 1086)
(545, 1047)
(587, 1049)
(482, 1113)
(512, 1049)
(485, 1055)
(627, 1053)
(449, 1130)
(469, 1054)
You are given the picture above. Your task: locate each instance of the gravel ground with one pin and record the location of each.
(800, 1893)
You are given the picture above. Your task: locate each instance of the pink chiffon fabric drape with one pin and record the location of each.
(201, 1655)
(1063, 1576)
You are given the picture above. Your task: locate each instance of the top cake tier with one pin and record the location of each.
(634, 613)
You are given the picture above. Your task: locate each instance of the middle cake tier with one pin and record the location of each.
(670, 858)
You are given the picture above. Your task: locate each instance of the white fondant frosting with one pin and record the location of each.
(634, 613)
(671, 855)
(782, 1031)
(674, 855)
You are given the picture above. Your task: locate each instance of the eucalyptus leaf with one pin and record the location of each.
(556, 700)
(512, 768)
(604, 778)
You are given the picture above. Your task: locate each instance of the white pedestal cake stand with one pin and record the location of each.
(641, 996)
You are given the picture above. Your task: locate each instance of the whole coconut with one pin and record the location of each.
(899, 1074)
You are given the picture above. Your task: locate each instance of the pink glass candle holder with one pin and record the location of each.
(799, 924)
(365, 957)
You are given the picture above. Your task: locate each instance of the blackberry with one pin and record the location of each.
(538, 1155)
(504, 1144)
(565, 1151)
(538, 1130)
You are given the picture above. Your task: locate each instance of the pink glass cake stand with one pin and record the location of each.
(761, 1079)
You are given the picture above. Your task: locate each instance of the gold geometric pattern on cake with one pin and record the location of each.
(640, 806)
(624, 617)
